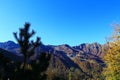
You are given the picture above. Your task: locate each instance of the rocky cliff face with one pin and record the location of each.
(93, 49)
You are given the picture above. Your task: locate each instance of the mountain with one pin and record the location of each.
(83, 57)
(94, 50)
(10, 55)
(9, 46)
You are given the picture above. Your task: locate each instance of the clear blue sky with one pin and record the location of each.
(60, 21)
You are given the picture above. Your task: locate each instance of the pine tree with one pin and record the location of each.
(27, 47)
(30, 69)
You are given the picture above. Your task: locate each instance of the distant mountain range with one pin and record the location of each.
(9, 46)
(94, 49)
(64, 55)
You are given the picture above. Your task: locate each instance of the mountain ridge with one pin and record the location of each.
(93, 48)
(83, 57)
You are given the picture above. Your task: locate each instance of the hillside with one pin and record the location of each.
(82, 51)
(84, 57)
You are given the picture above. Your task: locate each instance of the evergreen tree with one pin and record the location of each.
(30, 69)
(27, 47)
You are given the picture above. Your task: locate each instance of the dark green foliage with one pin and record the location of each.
(27, 47)
(6, 68)
(31, 70)
(36, 72)
(40, 65)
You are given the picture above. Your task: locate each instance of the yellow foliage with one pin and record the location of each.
(112, 58)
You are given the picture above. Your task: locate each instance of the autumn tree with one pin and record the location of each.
(112, 57)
